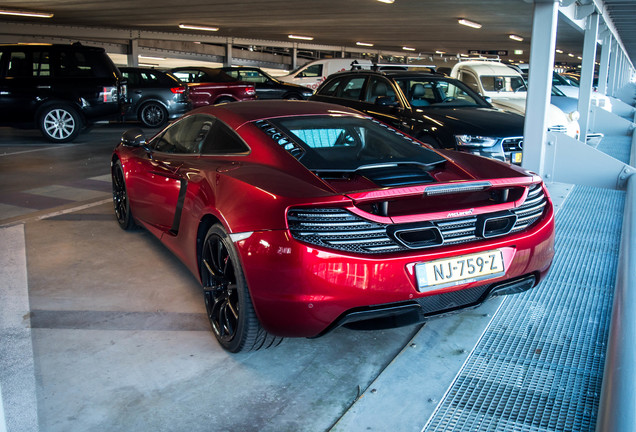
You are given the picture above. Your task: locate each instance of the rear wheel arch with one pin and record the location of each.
(224, 99)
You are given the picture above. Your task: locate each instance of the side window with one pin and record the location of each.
(76, 64)
(468, 79)
(132, 77)
(41, 64)
(253, 77)
(312, 71)
(149, 79)
(189, 76)
(331, 89)
(222, 140)
(185, 136)
(167, 143)
(353, 88)
(379, 87)
(19, 66)
(234, 73)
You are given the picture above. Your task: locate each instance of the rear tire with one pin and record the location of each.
(227, 298)
(153, 115)
(60, 123)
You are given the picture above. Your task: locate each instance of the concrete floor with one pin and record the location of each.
(103, 329)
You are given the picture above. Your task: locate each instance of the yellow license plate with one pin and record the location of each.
(459, 270)
(516, 157)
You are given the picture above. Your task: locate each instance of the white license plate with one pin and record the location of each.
(459, 270)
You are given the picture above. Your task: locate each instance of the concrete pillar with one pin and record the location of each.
(294, 59)
(542, 45)
(228, 54)
(603, 69)
(133, 53)
(587, 72)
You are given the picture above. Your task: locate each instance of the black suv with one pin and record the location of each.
(58, 88)
(435, 109)
(268, 87)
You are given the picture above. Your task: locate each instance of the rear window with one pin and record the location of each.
(334, 143)
(84, 63)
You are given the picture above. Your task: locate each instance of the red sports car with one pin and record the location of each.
(299, 217)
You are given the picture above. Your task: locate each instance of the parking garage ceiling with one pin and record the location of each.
(428, 26)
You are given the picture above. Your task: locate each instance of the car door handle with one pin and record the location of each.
(44, 86)
(138, 92)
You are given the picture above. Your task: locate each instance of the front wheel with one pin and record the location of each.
(227, 299)
(60, 123)
(120, 198)
(153, 114)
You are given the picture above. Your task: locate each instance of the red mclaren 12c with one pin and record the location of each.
(300, 217)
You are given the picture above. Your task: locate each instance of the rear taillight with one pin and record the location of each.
(109, 94)
(250, 91)
(178, 90)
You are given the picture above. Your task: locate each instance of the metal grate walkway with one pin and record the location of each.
(539, 365)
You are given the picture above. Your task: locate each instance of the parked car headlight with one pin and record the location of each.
(574, 116)
(307, 94)
(475, 141)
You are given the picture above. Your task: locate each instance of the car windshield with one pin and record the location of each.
(503, 83)
(346, 144)
(422, 92)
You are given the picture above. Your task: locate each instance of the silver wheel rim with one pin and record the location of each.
(59, 123)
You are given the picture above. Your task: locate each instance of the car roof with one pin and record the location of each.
(487, 67)
(238, 113)
(392, 73)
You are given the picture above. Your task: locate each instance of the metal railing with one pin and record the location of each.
(617, 406)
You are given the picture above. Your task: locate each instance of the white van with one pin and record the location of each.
(507, 90)
(314, 73)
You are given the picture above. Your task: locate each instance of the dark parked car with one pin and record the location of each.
(433, 108)
(210, 86)
(300, 217)
(268, 87)
(58, 88)
(155, 97)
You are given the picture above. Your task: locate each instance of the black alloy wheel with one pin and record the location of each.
(153, 114)
(227, 299)
(120, 198)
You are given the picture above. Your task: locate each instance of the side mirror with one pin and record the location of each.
(386, 101)
(488, 99)
(133, 138)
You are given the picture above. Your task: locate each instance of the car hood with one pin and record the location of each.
(476, 121)
(565, 103)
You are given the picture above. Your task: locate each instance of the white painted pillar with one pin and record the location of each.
(133, 53)
(603, 69)
(611, 79)
(587, 72)
(542, 45)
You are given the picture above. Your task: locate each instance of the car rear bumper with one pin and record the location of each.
(302, 290)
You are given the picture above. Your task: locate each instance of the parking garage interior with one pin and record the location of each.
(102, 329)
